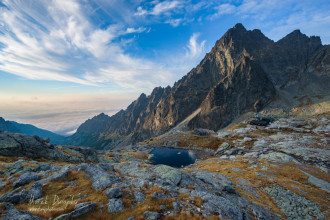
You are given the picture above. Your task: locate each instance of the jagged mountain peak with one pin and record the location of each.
(239, 26)
(238, 39)
(298, 38)
(142, 96)
(245, 67)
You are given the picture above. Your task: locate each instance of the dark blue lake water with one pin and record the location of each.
(172, 157)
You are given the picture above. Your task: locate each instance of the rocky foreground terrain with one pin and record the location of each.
(247, 172)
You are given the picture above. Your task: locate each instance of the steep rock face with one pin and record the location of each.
(247, 88)
(284, 59)
(242, 72)
(314, 78)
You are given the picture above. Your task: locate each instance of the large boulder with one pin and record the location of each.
(61, 174)
(16, 196)
(14, 144)
(100, 177)
(79, 210)
(26, 178)
(168, 174)
(11, 213)
(79, 154)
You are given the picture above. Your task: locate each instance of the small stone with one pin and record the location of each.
(42, 167)
(35, 191)
(115, 205)
(176, 206)
(113, 193)
(139, 196)
(106, 166)
(230, 189)
(151, 215)
(236, 169)
(224, 146)
(82, 208)
(157, 195)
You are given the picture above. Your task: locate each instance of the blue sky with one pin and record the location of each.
(63, 61)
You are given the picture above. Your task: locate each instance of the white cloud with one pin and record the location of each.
(160, 8)
(57, 41)
(40, 46)
(135, 30)
(175, 22)
(222, 10)
(165, 6)
(141, 11)
(195, 49)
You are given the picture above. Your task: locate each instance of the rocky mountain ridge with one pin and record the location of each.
(245, 71)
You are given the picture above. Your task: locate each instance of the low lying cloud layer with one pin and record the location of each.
(61, 114)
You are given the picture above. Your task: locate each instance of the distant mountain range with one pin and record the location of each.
(245, 71)
(12, 126)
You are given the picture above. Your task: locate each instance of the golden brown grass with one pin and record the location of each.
(287, 175)
(59, 190)
(140, 155)
(137, 211)
(237, 126)
(203, 142)
(2, 210)
(8, 159)
(184, 216)
(71, 153)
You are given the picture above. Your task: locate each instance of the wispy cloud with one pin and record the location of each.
(57, 40)
(130, 30)
(174, 22)
(222, 10)
(160, 8)
(195, 49)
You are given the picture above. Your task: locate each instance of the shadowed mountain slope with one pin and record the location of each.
(12, 126)
(244, 71)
